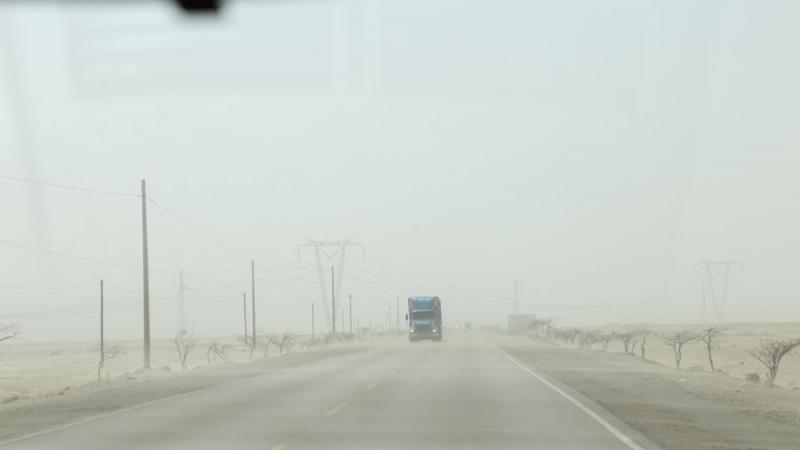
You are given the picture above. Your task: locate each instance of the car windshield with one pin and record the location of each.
(399, 224)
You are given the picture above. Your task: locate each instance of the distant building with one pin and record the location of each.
(520, 323)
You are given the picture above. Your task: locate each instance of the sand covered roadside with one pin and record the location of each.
(730, 349)
(31, 370)
(678, 409)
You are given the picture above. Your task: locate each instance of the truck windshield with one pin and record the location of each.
(422, 315)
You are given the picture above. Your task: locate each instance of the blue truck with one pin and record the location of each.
(424, 318)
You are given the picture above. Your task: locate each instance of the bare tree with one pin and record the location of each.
(184, 344)
(626, 338)
(284, 342)
(216, 350)
(109, 352)
(589, 338)
(8, 331)
(568, 335)
(677, 340)
(264, 341)
(770, 352)
(246, 341)
(707, 335)
(642, 341)
(605, 340)
(574, 336)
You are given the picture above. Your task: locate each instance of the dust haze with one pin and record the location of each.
(621, 178)
(595, 154)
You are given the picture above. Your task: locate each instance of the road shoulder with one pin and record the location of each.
(620, 429)
(674, 409)
(95, 400)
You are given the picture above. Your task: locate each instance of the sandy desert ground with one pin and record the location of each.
(35, 369)
(730, 350)
(43, 384)
(31, 370)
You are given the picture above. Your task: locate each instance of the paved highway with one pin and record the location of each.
(458, 394)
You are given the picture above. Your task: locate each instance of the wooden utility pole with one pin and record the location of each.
(102, 332)
(312, 321)
(398, 314)
(244, 310)
(333, 301)
(253, 297)
(146, 280)
(351, 312)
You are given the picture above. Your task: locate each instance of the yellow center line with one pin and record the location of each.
(336, 409)
(370, 387)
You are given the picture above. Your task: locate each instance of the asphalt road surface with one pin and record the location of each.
(458, 394)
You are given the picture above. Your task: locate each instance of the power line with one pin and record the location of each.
(71, 309)
(91, 260)
(493, 300)
(197, 229)
(68, 187)
(425, 284)
(46, 288)
(283, 264)
(66, 255)
(437, 282)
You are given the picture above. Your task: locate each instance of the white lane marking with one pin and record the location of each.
(611, 428)
(336, 409)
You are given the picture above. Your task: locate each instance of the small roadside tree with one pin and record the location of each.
(8, 331)
(707, 335)
(109, 352)
(184, 344)
(284, 342)
(626, 338)
(677, 341)
(770, 353)
(605, 340)
(571, 336)
(216, 350)
(264, 341)
(641, 341)
(589, 338)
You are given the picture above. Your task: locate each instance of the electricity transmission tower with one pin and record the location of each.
(715, 273)
(332, 250)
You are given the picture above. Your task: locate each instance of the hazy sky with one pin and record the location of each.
(593, 150)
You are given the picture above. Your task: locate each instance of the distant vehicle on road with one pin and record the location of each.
(424, 318)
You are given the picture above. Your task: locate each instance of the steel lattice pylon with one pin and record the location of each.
(319, 252)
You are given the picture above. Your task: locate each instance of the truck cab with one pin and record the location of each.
(424, 318)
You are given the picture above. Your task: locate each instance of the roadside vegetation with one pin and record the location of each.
(768, 353)
(75, 364)
(8, 331)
